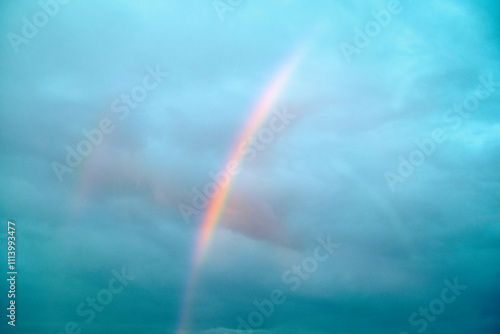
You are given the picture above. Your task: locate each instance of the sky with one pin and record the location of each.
(236, 166)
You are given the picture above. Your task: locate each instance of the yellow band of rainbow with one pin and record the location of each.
(216, 206)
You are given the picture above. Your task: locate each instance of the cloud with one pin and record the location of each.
(322, 175)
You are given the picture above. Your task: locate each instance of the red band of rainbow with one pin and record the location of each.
(216, 206)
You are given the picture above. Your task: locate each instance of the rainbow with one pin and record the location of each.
(216, 206)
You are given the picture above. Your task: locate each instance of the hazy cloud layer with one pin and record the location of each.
(393, 153)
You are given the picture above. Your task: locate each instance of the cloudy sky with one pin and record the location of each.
(366, 199)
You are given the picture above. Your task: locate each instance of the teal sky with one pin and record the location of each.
(385, 140)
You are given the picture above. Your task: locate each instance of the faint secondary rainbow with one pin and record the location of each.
(216, 206)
